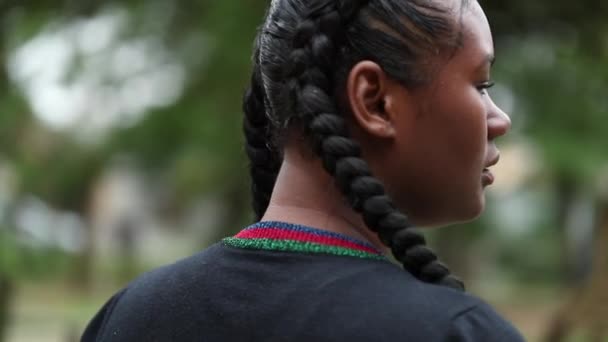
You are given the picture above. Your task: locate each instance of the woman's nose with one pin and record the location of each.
(499, 123)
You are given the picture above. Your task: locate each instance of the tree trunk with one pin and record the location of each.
(6, 293)
(588, 308)
(82, 267)
(566, 193)
(236, 200)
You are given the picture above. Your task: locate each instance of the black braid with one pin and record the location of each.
(341, 155)
(300, 83)
(264, 160)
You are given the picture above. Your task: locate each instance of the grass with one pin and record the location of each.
(53, 312)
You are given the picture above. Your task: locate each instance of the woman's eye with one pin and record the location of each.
(483, 87)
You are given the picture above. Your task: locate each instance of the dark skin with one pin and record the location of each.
(431, 146)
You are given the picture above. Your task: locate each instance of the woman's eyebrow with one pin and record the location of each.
(490, 59)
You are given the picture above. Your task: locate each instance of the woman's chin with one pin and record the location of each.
(457, 214)
(473, 210)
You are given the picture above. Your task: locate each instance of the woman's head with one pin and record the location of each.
(431, 143)
(391, 96)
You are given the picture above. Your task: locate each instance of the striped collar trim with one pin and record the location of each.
(287, 237)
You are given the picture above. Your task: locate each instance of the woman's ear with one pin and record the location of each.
(376, 102)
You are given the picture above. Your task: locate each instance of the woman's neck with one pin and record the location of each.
(305, 194)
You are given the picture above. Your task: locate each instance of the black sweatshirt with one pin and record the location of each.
(256, 289)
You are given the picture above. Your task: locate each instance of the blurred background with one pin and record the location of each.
(121, 150)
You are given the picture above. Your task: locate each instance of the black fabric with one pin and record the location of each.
(229, 294)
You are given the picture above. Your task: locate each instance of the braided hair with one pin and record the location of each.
(264, 159)
(303, 54)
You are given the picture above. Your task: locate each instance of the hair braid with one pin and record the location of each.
(264, 159)
(310, 87)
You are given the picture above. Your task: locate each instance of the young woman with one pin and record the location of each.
(363, 120)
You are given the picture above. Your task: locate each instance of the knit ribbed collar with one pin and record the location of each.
(287, 237)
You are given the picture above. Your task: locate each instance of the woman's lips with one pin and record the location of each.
(487, 177)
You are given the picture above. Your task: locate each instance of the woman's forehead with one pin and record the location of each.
(477, 37)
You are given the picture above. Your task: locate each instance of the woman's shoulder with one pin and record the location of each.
(396, 302)
(154, 297)
(480, 322)
(372, 300)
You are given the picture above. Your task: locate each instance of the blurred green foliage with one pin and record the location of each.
(31, 263)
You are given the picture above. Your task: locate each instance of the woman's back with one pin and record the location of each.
(281, 291)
